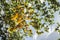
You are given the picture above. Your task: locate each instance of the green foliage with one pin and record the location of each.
(15, 11)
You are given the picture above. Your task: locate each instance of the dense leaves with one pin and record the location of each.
(17, 12)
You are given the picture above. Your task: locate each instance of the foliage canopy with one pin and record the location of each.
(17, 16)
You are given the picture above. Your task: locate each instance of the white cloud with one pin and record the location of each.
(2, 12)
(35, 36)
(42, 1)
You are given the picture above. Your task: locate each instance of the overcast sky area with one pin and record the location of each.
(51, 35)
(47, 36)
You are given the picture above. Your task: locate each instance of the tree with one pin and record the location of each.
(17, 12)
